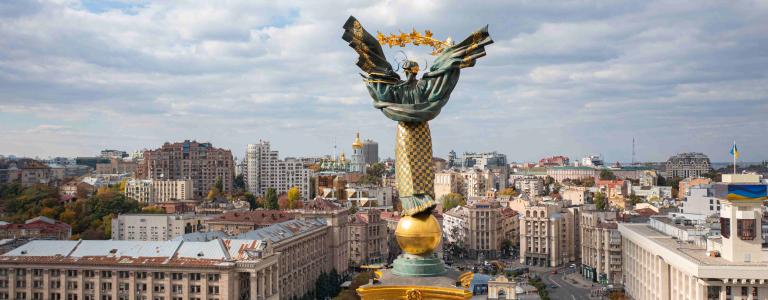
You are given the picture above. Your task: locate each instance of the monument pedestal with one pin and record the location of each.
(393, 286)
(418, 266)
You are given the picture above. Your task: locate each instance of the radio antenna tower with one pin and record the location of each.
(633, 150)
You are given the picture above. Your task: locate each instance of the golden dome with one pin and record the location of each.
(418, 235)
(357, 144)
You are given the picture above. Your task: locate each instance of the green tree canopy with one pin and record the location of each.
(607, 175)
(452, 200)
(600, 201)
(271, 199)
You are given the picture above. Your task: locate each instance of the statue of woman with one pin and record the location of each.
(413, 102)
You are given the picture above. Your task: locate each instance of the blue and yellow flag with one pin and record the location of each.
(735, 151)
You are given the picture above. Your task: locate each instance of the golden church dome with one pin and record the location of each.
(357, 144)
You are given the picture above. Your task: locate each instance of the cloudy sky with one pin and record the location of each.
(566, 78)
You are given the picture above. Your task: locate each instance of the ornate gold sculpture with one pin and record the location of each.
(415, 38)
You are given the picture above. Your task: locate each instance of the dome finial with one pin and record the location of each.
(357, 144)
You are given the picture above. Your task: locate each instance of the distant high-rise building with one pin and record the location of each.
(189, 160)
(592, 161)
(684, 165)
(370, 152)
(263, 170)
(358, 161)
(109, 153)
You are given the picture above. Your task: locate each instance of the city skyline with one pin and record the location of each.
(571, 79)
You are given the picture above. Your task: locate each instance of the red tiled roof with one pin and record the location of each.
(645, 212)
(39, 225)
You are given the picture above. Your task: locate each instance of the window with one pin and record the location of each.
(754, 292)
(725, 231)
(158, 275)
(194, 276)
(71, 273)
(141, 275)
(106, 274)
(746, 229)
(744, 289)
(213, 277)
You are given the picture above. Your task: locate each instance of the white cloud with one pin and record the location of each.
(567, 77)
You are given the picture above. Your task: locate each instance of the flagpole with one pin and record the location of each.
(734, 157)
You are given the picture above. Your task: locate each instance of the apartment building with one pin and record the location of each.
(485, 229)
(600, 247)
(189, 160)
(265, 170)
(337, 220)
(447, 182)
(547, 236)
(368, 238)
(159, 191)
(155, 227)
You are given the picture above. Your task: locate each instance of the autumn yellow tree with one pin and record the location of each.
(294, 197)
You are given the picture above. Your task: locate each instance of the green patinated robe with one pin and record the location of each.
(413, 103)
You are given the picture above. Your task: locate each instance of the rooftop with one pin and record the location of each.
(284, 230)
(690, 256)
(256, 217)
(99, 252)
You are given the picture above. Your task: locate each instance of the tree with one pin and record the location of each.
(506, 247)
(634, 199)
(68, 216)
(607, 175)
(508, 192)
(294, 198)
(600, 201)
(216, 189)
(152, 209)
(452, 200)
(271, 199)
(239, 183)
(251, 199)
(106, 221)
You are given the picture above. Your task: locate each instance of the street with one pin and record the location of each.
(564, 290)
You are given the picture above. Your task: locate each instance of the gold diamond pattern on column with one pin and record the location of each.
(413, 154)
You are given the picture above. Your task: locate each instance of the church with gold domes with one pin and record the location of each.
(358, 162)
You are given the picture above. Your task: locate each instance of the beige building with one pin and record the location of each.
(116, 166)
(473, 183)
(155, 227)
(600, 246)
(447, 182)
(304, 253)
(132, 270)
(510, 226)
(485, 229)
(158, 191)
(732, 266)
(569, 172)
(686, 183)
(368, 238)
(336, 218)
(189, 160)
(547, 235)
(577, 195)
(530, 185)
